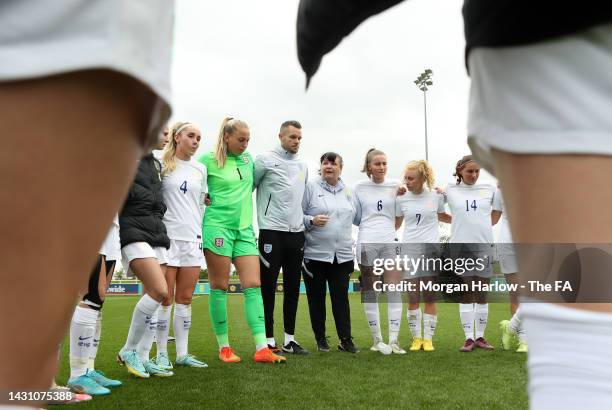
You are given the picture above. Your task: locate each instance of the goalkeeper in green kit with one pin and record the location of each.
(227, 231)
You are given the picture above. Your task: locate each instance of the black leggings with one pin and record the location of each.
(280, 250)
(337, 276)
(92, 297)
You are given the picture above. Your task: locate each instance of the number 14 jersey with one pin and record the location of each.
(471, 207)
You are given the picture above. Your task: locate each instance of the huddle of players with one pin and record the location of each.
(474, 209)
(163, 228)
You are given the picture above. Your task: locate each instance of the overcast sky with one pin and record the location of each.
(238, 58)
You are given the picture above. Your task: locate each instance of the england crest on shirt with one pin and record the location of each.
(267, 247)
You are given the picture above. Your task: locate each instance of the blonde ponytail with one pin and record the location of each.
(228, 126)
(424, 170)
(169, 152)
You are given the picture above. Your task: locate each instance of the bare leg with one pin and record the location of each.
(547, 199)
(59, 195)
(559, 216)
(512, 278)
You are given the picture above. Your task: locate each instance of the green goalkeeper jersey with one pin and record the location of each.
(231, 191)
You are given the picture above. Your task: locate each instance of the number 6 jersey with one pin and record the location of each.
(375, 211)
(471, 207)
(183, 191)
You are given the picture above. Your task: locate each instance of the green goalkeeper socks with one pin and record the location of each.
(254, 311)
(217, 305)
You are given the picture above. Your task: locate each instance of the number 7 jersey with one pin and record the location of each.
(471, 207)
(420, 213)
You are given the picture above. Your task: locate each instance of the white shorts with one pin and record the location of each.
(41, 39)
(111, 248)
(141, 250)
(507, 258)
(483, 252)
(367, 252)
(185, 253)
(552, 97)
(418, 254)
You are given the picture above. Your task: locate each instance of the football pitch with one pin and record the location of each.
(445, 378)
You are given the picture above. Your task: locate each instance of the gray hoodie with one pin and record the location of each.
(280, 178)
(333, 239)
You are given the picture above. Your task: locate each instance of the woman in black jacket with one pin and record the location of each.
(144, 243)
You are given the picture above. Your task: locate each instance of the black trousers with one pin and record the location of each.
(280, 250)
(337, 276)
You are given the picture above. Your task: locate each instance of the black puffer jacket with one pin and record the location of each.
(140, 219)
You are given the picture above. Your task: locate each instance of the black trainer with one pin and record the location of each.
(347, 345)
(294, 348)
(322, 344)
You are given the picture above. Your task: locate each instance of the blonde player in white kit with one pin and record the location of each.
(375, 215)
(184, 190)
(420, 209)
(471, 206)
(509, 267)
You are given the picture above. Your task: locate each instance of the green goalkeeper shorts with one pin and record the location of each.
(230, 242)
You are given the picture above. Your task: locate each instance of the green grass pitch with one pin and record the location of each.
(445, 378)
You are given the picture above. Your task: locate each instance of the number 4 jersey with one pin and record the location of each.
(471, 207)
(183, 191)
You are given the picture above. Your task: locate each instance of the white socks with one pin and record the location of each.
(163, 328)
(474, 312)
(414, 322)
(373, 316)
(429, 325)
(516, 326)
(289, 338)
(481, 316)
(82, 332)
(96, 342)
(466, 313)
(569, 361)
(141, 319)
(271, 341)
(182, 323)
(394, 314)
(146, 342)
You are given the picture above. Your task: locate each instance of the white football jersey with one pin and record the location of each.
(498, 205)
(471, 207)
(375, 210)
(420, 214)
(184, 191)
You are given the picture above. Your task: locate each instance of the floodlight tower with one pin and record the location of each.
(423, 82)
